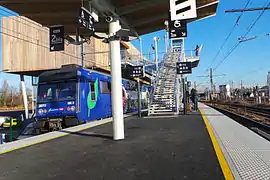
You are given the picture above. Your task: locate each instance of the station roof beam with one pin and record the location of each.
(140, 16)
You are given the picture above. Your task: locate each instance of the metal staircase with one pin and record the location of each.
(162, 101)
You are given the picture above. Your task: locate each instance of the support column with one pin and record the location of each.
(117, 101)
(24, 96)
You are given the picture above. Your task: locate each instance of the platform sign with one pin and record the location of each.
(86, 20)
(57, 38)
(177, 29)
(184, 67)
(136, 71)
(183, 9)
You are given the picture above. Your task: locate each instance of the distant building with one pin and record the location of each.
(268, 78)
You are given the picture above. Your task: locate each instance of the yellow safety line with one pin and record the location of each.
(222, 161)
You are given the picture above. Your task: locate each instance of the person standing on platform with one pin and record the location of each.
(194, 99)
(197, 50)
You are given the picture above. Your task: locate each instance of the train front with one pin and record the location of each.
(57, 99)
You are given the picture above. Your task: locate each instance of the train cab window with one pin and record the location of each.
(46, 93)
(66, 91)
(104, 87)
(92, 91)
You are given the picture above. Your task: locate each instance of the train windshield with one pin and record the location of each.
(66, 91)
(47, 93)
(57, 92)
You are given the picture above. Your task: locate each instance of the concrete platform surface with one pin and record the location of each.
(154, 148)
(247, 153)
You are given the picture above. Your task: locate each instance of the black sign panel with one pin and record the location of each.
(136, 71)
(184, 67)
(178, 29)
(57, 38)
(86, 20)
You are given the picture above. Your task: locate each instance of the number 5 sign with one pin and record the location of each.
(177, 24)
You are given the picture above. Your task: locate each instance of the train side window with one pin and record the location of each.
(104, 87)
(109, 86)
(92, 91)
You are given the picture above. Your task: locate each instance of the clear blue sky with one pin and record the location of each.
(249, 62)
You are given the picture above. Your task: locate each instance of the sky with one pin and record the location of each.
(249, 62)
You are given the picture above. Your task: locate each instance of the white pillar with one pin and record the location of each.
(24, 96)
(141, 49)
(117, 101)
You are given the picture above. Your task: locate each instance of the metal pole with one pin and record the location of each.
(10, 130)
(166, 42)
(24, 96)
(33, 96)
(211, 83)
(139, 98)
(184, 96)
(141, 48)
(82, 53)
(156, 51)
(177, 95)
(117, 101)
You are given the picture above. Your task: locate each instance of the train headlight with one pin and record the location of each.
(73, 108)
(40, 111)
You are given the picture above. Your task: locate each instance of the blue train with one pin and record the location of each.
(74, 95)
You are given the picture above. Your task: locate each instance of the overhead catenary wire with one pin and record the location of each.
(232, 49)
(46, 43)
(228, 36)
(44, 46)
(38, 44)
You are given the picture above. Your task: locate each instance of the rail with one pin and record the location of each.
(261, 129)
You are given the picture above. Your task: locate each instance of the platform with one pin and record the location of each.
(155, 148)
(247, 154)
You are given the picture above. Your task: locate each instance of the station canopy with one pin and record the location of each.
(139, 16)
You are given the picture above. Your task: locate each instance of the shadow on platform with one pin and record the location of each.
(90, 134)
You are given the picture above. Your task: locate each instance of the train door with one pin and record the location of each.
(105, 95)
(92, 100)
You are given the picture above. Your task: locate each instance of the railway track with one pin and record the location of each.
(259, 127)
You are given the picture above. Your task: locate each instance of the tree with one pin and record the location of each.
(1, 99)
(4, 90)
